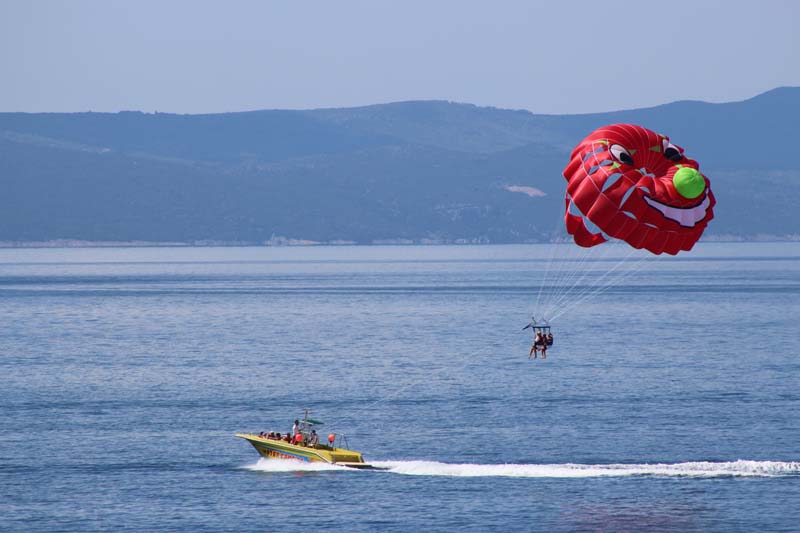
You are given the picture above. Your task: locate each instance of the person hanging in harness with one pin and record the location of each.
(537, 337)
(538, 344)
(543, 345)
(542, 338)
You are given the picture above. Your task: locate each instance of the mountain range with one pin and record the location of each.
(420, 171)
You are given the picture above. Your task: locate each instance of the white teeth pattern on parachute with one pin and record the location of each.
(685, 216)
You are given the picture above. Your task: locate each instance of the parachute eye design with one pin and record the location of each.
(671, 151)
(621, 154)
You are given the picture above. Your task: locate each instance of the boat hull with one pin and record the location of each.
(278, 449)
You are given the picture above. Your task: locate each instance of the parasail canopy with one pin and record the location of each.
(629, 183)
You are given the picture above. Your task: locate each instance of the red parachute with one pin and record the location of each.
(630, 183)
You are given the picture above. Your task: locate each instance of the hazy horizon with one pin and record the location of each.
(356, 106)
(199, 57)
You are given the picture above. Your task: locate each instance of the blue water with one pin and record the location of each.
(670, 402)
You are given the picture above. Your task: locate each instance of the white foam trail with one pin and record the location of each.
(291, 465)
(568, 470)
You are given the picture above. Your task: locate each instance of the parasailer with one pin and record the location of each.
(630, 183)
(542, 338)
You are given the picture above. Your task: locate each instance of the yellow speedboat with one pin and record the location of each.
(305, 447)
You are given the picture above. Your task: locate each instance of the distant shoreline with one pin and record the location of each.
(285, 242)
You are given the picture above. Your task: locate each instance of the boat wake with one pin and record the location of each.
(568, 470)
(699, 469)
(288, 465)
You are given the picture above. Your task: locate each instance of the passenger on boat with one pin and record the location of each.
(314, 440)
(288, 438)
(296, 428)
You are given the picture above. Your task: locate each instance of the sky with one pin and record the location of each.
(550, 57)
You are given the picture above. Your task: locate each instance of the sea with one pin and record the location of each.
(669, 401)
